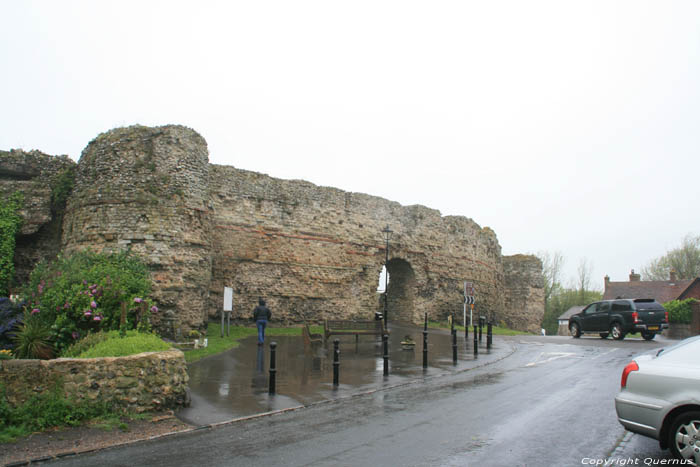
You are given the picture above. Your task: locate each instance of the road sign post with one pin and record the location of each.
(228, 308)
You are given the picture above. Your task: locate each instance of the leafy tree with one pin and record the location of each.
(10, 222)
(558, 298)
(685, 260)
(551, 272)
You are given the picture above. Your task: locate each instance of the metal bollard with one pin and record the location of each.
(425, 342)
(385, 340)
(466, 333)
(481, 324)
(273, 366)
(476, 342)
(454, 346)
(489, 335)
(336, 361)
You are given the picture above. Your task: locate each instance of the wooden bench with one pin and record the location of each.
(310, 340)
(339, 327)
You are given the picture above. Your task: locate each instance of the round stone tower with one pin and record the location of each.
(146, 190)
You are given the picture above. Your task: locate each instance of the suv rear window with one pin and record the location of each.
(646, 304)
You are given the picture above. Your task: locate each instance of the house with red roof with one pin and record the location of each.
(661, 291)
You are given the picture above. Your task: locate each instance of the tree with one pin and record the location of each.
(558, 298)
(685, 260)
(584, 277)
(552, 264)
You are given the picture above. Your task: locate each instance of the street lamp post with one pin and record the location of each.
(387, 233)
(385, 338)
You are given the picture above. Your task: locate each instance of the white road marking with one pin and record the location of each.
(605, 353)
(551, 356)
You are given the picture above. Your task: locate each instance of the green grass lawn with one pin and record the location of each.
(218, 344)
(496, 330)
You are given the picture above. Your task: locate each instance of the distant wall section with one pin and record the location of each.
(45, 183)
(524, 297)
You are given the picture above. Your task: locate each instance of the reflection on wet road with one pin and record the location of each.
(235, 383)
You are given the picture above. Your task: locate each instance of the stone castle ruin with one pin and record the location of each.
(312, 252)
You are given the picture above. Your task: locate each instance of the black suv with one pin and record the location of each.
(620, 317)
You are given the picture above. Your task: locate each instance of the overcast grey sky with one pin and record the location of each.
(564, 126)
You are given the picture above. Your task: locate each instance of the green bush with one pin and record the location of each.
(680, 311)
(82, 293)
(117, 346)
(45, 410)
(84, 344)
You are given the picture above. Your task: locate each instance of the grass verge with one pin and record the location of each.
(52, 409)
(496, 330)
(218, 344)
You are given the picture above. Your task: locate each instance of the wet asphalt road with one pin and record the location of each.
(538, 401)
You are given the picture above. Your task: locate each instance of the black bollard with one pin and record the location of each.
(489, 335)
(385, 340)
(425, 342)
(336, 361)
(476, 342)
(273, 366)
(481, 324)
(454, 346)
(466, 333)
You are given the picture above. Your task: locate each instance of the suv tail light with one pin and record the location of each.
(666, 316)
(635, 317)
(631, 366)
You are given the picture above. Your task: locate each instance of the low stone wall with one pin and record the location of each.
(145, 382)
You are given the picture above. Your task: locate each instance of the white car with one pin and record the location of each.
(660, 398)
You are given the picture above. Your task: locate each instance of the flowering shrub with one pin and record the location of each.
(83, 293)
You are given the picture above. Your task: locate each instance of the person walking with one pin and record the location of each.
(261, 315)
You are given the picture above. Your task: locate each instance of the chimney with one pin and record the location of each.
(634, 277)
(673, 275)
(606, 280)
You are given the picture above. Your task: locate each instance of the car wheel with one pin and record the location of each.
(616, 331)
(604, 335)
(575, 330)
(648, 335)
(684, 437)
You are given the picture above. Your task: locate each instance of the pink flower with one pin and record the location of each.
(75, 335)
(97, 318)
(138, 300)
(154, 309)
(88, 313)
(35, 311)
(93, 304)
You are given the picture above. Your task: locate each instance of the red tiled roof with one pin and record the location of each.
(661, 291)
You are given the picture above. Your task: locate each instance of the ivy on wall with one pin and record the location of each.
(10, 222)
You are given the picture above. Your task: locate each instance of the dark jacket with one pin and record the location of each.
(261, 312)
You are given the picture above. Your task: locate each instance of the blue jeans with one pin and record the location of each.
(262, 323)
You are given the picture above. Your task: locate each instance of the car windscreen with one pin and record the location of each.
(685, 350)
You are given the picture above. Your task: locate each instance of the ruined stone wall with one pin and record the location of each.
(37, 176)
(139, 383)
(312, 252)
(524, 287)
(317, 252)
(145, 190)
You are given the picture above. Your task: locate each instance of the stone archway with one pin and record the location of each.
(402, 284)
